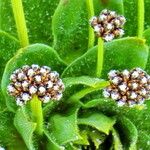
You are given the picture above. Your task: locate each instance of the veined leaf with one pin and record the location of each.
(119, 54)
(115, 5)
(70, 29)
(97, 121)
(8, 133)
(8, 47)
(143, 140)
(147, 37)
(128, 133)
(25, 128)
(34, 54)
(63, 127)
(117, 145)
(83, 80)
(132, 19)
(51, 145)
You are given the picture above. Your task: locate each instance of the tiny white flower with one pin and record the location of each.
(123, 87)
(38, 78)
(106, 93)
(42, 89)
(120, 103)
(135, 74)
(109, 26)
(46, 99)
(32, 90)
(10, 88)
(25, 84)
(115, 80)
(114, 95)
(49, 84)
(96, 28)
(25, 97)
(143, 80)
(109, 37)
(133, 95)
(30, 72)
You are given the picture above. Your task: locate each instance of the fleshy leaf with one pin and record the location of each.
(25, 128)
(98, 121)
(115, 5)
(132, 19)
(74, 86)
(34, 54)
(128, 133)
(117, 145)
(70, 29)
(38, 15)
(143, 140)
(8, 133)
(51, 145)
(83, 80)
(119, 54)
(147, 37)
(8, 47)
(63, 127)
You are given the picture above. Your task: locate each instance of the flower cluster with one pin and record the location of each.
(35, 80)
(128, 87)
(108, 25)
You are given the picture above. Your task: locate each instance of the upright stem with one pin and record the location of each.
(100, 55)
(140, 18)
(37, 113)
(20, 22)
(90, 9)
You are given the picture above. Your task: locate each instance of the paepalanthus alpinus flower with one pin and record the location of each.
(33, 80)
(128, 87)
(108, 25)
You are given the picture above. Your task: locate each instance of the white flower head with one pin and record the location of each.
(33, 80)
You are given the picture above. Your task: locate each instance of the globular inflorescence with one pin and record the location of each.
(35, 80)
(108, 25)
(128, 87)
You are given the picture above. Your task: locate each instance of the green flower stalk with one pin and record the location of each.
(107, 26)
(140, 15)
(35, 84)
(20, 22)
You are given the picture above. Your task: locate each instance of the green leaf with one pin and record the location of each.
(116, 5)
(83, 80)
(34, 54)
(119, 54)
(147, 37)
(63, 127)
(8, 133)
(143, 141)
(147, 9)
(98, 121)
(90, 135)
(70, 29)
(9, 46)
(78, 87)
(82, 93)
(132, 20)
(128, 133)
(51, 145)
(38, 16)
(117, 145)
(84, 139)
(25, 128)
